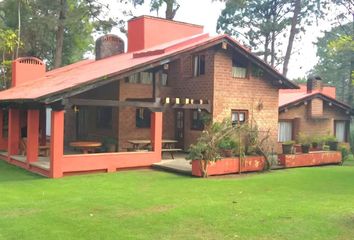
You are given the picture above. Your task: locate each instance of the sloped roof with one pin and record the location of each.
(293, 97)
(88, 72)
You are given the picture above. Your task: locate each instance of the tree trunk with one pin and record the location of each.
(170, 12)
(58, 58)
(19, 27)
(297, 9)
(272, 49)
(266, 44)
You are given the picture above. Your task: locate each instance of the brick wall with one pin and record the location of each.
(316, 109)
(313, 126)
(256, 95)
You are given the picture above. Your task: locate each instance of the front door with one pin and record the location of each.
(179, 128)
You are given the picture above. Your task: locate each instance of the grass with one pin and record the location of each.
(303, 203)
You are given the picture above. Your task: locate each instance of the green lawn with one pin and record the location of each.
(303, 203)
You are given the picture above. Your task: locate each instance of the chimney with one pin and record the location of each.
(26, 69)
(108, 45)
(146, 31)
(314, 83)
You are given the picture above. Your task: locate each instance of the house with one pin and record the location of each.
(312, 110)
(158, 89)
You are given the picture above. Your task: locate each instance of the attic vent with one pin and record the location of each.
(108, 45)
(30, 60)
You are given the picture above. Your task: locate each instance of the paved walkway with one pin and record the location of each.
(178, 165)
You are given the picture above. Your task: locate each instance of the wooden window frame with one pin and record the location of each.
(247, 67)
(148, 120)
(347, 126)
(238, 111)
(198, 72)
(201, 128)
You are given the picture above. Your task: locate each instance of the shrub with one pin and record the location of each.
(227, 143)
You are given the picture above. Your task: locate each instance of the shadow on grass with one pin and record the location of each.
(10, 173)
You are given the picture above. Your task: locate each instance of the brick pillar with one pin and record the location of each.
(56, 144)
(32, 135)
(14, 132)
(156, 132)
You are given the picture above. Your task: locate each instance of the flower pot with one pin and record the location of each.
(305, 148)
(314, 145)
(287, 148)
(333, 145)
(227, 152)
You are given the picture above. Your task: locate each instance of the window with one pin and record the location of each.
(197, 120)
(141, 77)
(340, 130)
(199, 65)
(238, 116)
(164, 79)
(239, 69)
(104, 118)
(142, 118)
(285, 131)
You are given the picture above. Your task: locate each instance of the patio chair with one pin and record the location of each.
(42, 150)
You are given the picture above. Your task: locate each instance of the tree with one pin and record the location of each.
(264, 23)
(59, 32)
(8, 44)
(335, 66)
(172, 6)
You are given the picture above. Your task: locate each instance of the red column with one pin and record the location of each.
(156, 132)
(14, 131)
(56, 144)
(32, 135)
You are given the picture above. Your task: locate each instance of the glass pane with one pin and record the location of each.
(284, 131)
(340, 131)
(241, 117)
(234, 117)
(239, 72)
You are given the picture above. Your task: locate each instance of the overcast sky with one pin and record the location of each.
(206, 13)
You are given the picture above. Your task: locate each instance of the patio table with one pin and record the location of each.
(86, 146)
(138, 144)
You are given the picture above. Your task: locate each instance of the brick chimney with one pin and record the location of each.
(314, 84)
(26, 69)
(108, 45)
(146, 31)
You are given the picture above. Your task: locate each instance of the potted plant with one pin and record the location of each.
(227, 146)
(288, 147)
(305, 143)
(315, 142)
(110, 144)
(332, 142)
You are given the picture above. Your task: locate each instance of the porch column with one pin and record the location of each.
(32, 135)
(56, 144)
(14, 131)
(156, 132)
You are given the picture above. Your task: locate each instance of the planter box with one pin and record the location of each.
(230, 165)
(310, 159)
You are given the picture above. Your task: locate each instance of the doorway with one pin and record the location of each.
(179, 127)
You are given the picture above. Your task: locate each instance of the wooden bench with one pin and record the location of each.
(171, 151)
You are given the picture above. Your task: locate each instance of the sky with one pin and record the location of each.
(206, 13)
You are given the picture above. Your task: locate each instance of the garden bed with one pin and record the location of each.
(230, 165)
(310, 159)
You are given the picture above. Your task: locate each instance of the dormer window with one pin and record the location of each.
(239, 69)
(199, 65)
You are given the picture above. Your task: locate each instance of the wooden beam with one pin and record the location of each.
(112, 103)
(206, 107)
